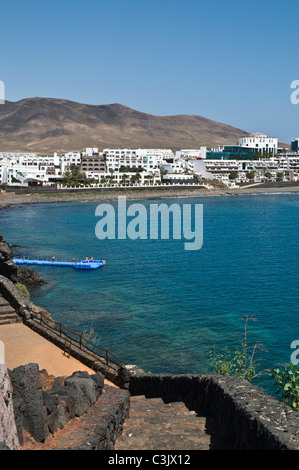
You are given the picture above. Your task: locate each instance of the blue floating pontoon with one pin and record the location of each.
(73, 264)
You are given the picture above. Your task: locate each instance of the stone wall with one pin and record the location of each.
(8, 431)
(14, 296)
(26, 407)
(246, 417)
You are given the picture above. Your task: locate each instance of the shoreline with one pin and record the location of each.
(8, 199)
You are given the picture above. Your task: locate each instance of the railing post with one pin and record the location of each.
(58, 331)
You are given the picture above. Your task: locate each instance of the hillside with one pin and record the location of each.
(47, 125)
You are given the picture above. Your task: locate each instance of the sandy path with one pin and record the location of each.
(23, 346)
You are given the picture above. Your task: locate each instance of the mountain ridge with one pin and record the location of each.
(47, 125)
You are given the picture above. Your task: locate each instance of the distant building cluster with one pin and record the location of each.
(255, 159)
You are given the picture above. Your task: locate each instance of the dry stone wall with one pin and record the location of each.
(8, 431)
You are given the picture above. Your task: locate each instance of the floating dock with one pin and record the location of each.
(73, 264)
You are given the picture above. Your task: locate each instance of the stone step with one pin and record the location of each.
(3, 302)
(162, 423)
(155, 425)
(7, 313)
(141, 399)
(7, 319)
(156, 441)
(146, 406)
(161, 411)
(7, 316)
(6, 309)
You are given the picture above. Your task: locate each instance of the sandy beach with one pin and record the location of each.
(8, 198)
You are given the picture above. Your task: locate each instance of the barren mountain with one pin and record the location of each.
(47, 125)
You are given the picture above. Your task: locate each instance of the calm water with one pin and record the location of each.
(161, 307)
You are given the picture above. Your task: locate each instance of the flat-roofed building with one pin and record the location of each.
(259, 142)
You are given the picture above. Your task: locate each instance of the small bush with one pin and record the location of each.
(240, 362)
(287, 384)
(23, 289)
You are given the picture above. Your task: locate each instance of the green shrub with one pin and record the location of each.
(287, 384)
(240, 361)
(23, 289)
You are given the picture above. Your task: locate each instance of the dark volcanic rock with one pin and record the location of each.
(22, 275)
(27, 387)
(28, 277)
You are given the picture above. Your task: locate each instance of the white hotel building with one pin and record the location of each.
(147, 159)
(259, 142)
(30, 169)
(263, 169)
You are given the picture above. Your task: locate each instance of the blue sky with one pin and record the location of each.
(230, 61)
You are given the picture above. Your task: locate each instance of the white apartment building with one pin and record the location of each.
(22, 169)
(259, 142)
(263, 169)
(18, 175)
(8, 155)
(177, 166)
(146, 159)
(216, 169)
(191, 153)
(68, 160)
(290, 165)
(90, 151)
(26, 169)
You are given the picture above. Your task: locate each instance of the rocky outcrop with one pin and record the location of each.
(28, 394)
(28, 277)
(14, 273)
(42, 412)
(72, 398)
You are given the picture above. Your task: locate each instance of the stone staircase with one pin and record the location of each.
(7, 313)
(155, 425)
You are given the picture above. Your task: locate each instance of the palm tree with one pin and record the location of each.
(135, 178)
(124, 178)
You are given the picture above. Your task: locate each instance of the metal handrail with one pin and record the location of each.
(82, 339)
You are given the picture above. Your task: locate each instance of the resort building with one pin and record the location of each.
(191, 153)
(234, 172)
(254, 160)
(259, 142)
(95, 162)
(28, 169)
(295, 145)
(135, 159)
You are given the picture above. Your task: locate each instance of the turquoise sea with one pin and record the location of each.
(159, 306)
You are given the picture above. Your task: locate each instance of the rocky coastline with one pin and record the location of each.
(18, 275)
